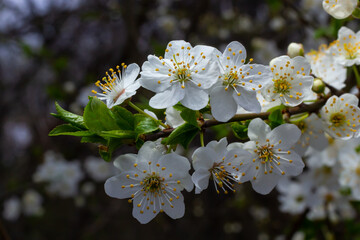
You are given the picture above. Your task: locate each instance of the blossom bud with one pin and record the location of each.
(295, 49)
(318, 86)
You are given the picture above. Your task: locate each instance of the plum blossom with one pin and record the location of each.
(12, 209)
(341, 116)
(346, 50)
(325, 67)
(116, 87)
(217, 162)
(271, 157)
(291, 81)
(32, 203)
(153, 181)
(98, 169)
(237, 83)
(339, 9)
(182, 75)
(312, 135)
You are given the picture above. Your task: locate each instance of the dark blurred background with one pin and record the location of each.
(55, 50)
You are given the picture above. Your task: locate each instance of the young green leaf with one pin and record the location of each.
(98, 117)
(183, 135)
(276, 118)
(190, 116)
(143, 124)
(70, 130)
(240, 130)
(123, 117)
(122, 134)
(72, 118)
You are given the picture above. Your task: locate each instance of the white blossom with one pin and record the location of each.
(237, 83)
(341, 116)
(153, 181)
(62, 176)
(329, 203)
(324, 66)
(182, 75)
(294, 195)
(312, 135)
(339, 9)
(216, 162)
(271, 157)
(98, 169)
(346, 50)
(32, 203)
(116, 87)
(291, 81)
(12, 209)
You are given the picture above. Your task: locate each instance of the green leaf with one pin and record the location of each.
(94, 139)
(143, 124)
(98, 117)
(281, 107)
(183, 135)
(106, 151)
(179, 107)
(190, 117)
(68, 129)
(123, 118)
(127, 134)
(72, 118)
(276, 118)
(240, 130)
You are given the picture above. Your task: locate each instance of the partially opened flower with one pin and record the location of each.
(153, 181)
(291, 80)
(237, 83)
(341, 116)
(182, 75)
(271, 155)
(346, 50)
(116, 87)
(218, 163)
(340, 9)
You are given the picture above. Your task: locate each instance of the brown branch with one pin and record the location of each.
(242, 117)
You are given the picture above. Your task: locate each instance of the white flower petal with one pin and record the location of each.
(201, 179)
(247, 100)
(258, 130)
(125, 162)
(119, 186)
(147, 214)
(168, 97)
(264, 183)
(284, 136)
(174, 165)
(130, 74)
(234, 54)
(204, 158)
(223, 105)
(194, 98)
(178, 207)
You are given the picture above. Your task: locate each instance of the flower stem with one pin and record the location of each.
(202, 138)
(141, 111)
(357, 76)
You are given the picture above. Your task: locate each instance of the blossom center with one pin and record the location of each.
(265, 153)
(222, 178)
(281, 85)
(182, 75)
(230, 78)
(351, 50)
(152, 183)
(337, 119)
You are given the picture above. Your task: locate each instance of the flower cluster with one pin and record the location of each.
(201, 86)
